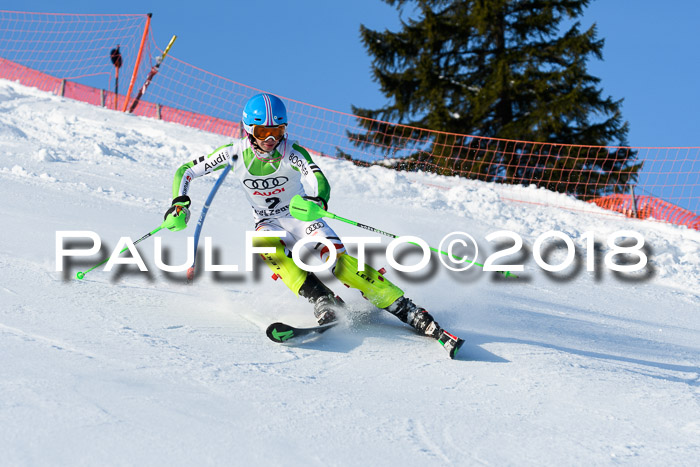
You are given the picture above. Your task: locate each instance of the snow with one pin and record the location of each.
(135, 368)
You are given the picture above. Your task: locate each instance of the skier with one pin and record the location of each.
(270, 167)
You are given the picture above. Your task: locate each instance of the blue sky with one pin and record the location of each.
(310, 51)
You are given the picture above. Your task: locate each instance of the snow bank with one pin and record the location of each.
(131, 368)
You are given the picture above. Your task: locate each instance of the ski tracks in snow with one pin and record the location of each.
(47, 341)
(425, 443)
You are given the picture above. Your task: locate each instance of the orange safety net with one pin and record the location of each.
(69, 54)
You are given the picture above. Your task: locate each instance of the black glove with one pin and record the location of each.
(317, 200)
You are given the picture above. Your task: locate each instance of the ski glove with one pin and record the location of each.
(322, 203)
(178, 214)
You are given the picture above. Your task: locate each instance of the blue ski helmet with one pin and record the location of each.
(265, 110)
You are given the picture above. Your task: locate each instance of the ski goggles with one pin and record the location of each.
(264, 133)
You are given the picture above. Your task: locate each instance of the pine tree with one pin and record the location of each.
(498, 70)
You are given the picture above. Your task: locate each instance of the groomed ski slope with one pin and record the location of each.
(131, 368)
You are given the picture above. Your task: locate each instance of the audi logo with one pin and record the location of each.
(314, 226)
(264, 183)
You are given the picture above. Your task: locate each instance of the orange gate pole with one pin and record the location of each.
(138, 62)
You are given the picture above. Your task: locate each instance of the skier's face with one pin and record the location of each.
(267, 137)
(266, 145)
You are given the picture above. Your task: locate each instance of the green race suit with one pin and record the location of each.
(270, 181)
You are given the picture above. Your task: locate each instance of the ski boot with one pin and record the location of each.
(324, 300)
(419, 319)
(450, 342)
(323, 309)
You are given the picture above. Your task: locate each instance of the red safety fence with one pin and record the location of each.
(81, 92)
(70, 55)
(649, 207)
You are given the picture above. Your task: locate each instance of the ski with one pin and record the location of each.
(280, 332)
(283, 333)
(151, 74)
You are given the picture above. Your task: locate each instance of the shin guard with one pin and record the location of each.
(373, 285)
(282, 266)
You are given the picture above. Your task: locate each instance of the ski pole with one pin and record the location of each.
(308, 211)
(200, 222)
(151, 74)
(81, 274)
